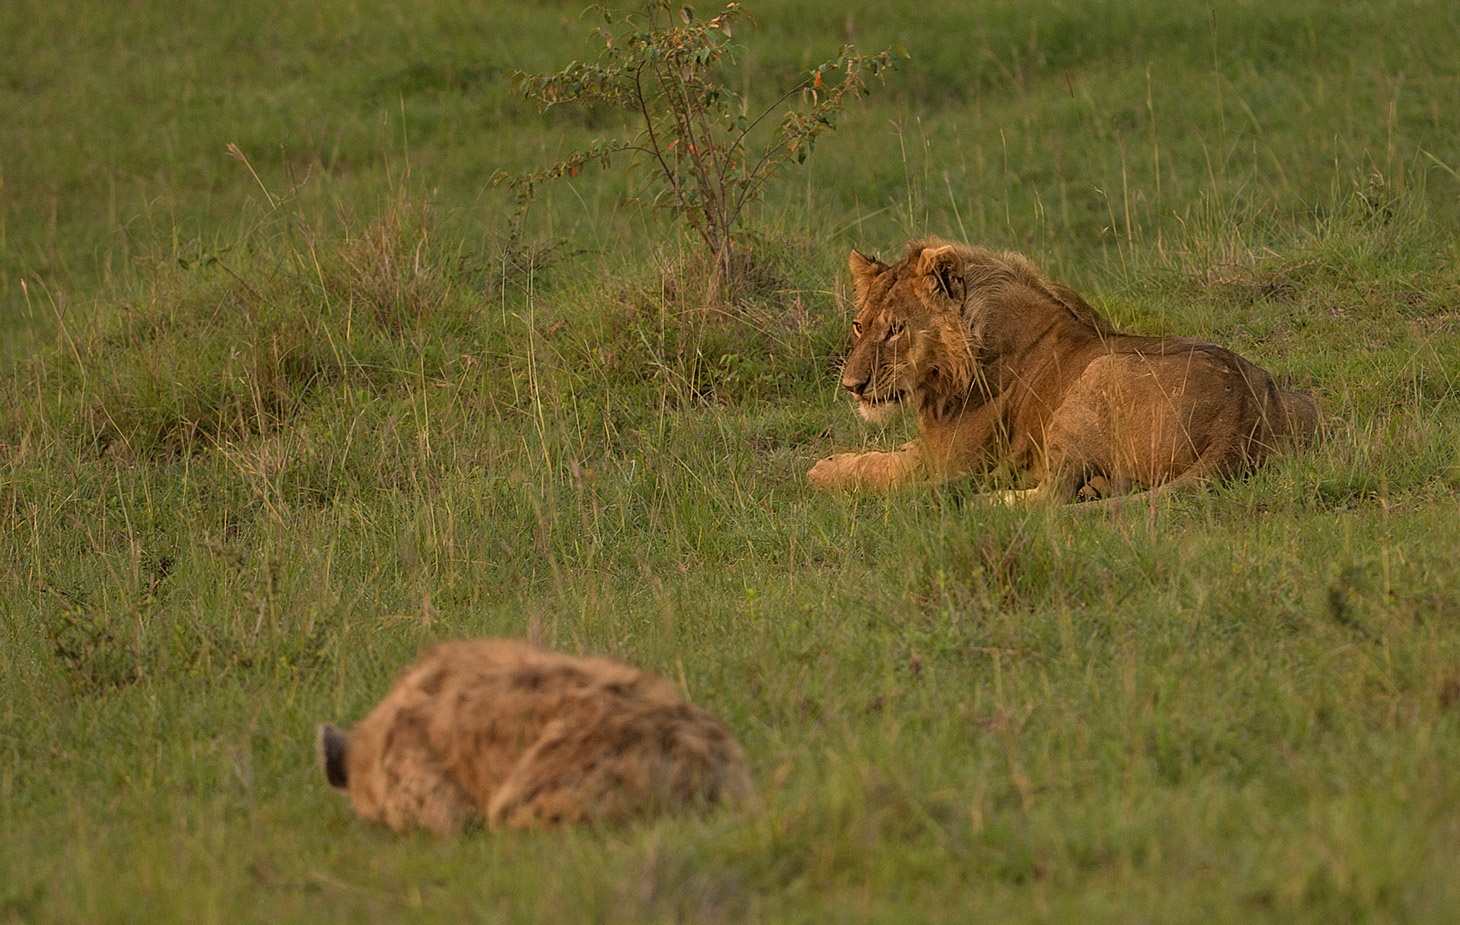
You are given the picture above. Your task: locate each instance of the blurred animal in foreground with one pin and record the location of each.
(500, 731)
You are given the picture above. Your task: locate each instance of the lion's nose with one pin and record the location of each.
(854, 384)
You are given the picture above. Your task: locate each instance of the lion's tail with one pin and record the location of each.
(1294, 417)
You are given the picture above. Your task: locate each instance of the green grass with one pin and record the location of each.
(266, 428)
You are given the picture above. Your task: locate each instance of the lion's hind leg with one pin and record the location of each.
(1102, 486)
(1183, 484)
(1215, 464)
(1097, 492)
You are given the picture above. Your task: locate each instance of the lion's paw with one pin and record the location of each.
(830, 473)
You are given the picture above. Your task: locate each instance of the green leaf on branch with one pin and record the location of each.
(706, 155)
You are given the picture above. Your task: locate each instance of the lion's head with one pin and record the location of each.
(910, 338)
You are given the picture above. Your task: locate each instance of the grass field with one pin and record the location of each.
(268, 425)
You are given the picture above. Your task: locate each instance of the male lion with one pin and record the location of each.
(1007, 367)
(498, 729)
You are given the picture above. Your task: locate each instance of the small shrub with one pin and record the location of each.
(709, 155)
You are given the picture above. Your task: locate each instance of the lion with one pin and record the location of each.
(1008, 369)
(499, 731)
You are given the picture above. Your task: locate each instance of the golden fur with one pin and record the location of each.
(1005, 367)
(499, 730)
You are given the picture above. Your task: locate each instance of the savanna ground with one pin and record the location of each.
(267, 427)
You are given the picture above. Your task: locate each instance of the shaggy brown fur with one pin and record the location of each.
(1006, 367)
(500, 730)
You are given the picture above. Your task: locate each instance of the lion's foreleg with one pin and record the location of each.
(862, 471)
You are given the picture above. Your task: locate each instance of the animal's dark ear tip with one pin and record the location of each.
(945, 267)
(330, 747)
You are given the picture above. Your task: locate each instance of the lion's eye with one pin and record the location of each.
(857, 328)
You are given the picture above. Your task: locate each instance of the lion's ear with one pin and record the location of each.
(946, 269)
(864, 269)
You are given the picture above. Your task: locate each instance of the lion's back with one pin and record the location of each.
(1153, 409)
